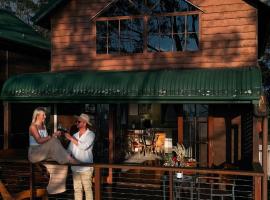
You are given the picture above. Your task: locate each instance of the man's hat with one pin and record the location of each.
(85, 118)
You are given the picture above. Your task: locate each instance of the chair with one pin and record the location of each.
(210, 187)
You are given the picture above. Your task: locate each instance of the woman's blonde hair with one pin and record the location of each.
(36, 112)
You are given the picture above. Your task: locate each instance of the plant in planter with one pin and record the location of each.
(180, 152)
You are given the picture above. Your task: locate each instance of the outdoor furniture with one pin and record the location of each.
(183, 188)
(210, 187)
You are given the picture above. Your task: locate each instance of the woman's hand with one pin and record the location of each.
(56, 134)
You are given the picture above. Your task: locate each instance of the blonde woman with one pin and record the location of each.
(43, 146)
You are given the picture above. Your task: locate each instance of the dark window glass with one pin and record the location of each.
(101, 39)
(182, 6)
(192, 42)
(163, 6)
(113, 40)
(153, 25)
(101, 28)
(166, 43)
(153, 43)
(169, 6)
(101, 45)
(165, 24)
(140, 6)
(179, 26)
(124, 36)
(178, 42)
(192, 23)
(164, 33)
(131, 36)
(152, 3)
(121, 8)
(171, 33)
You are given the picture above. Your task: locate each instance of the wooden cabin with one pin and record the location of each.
(181, 71)
(22, 50)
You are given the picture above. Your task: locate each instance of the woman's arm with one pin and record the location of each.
(34, 132)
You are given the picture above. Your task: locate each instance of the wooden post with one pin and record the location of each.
(97, 183)
(228, 122)
(111, 139)
(257, 188)
(265, 157)
(6, 124)
(180, 130)
(255, 146)
(210, 134)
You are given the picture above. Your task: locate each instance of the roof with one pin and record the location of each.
(185, 85)
(15, 30)
(42, 16)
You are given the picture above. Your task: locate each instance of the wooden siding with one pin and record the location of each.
(219, 141)
(228, 38)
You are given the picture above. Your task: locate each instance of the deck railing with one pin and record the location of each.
(121, 182)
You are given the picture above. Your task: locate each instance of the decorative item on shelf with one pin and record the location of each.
(180, 152)
(177, 158)
(168, 160)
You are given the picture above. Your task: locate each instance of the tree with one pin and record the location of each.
(25, 10)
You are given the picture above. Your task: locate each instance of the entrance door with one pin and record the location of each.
(195, 132)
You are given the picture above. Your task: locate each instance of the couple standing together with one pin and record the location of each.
(47, 147)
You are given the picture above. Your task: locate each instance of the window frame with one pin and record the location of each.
(145, 18)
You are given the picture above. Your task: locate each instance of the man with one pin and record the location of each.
(81, 145)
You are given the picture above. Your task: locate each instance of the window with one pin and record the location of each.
(137, 26)
(120, 36)
(173, 33)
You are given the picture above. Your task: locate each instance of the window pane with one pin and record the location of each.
(192, 23)
(166, 43)
(101, 45)
(140, 6)
(101, 27)
(153, 43)
(192, 42)
(120, 8)
(178, 42)
(136, 35)
(182, 5)
(131, 35)
(166, 24)
(113, 29)
(179, 24)
(153, 25)
(152, 3)
(164, 6)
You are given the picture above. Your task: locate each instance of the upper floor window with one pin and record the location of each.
(137, 26)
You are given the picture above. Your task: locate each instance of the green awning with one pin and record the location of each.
(186, 85)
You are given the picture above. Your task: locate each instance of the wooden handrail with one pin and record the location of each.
(256, 172)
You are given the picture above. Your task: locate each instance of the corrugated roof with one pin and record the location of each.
(213, 85)
(15, 30)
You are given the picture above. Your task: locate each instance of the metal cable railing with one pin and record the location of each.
(119, 182)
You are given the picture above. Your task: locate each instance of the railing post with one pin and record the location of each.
(32, 182)
(97, 183)
(171, 184)
(257, 188)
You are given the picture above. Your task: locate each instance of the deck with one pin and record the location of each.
(130, 181)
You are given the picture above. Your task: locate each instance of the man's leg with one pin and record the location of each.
(77, 185)
(87, 183)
